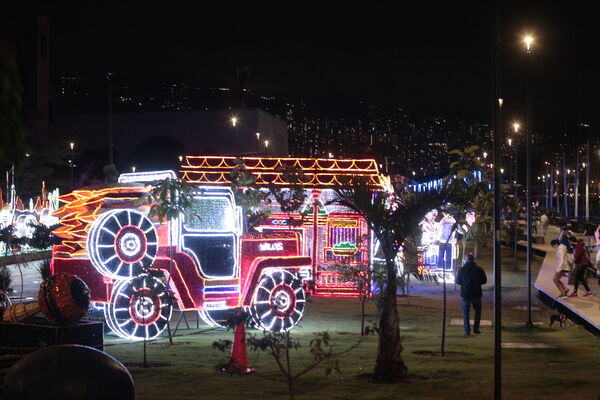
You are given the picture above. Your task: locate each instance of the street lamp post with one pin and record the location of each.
(71, 163)
(516, 126)
(528, 40)
(587, 181)
(111, 159)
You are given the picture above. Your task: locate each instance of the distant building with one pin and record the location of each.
(25, 40)
(250, 131)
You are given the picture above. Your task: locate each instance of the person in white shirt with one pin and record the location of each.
(562, 266)
(544, 223)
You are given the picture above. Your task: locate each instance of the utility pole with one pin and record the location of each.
(565, 184)
(111, 159)
(587, 180)
(528, 196)
(576, 184)
(497, 123)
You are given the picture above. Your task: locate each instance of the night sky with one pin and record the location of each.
(430, 57)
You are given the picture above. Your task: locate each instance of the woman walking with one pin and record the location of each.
(581, 262)
(562, 267)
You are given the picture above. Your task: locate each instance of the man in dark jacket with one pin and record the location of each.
(470, 278)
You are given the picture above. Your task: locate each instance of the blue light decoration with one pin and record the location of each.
(435, 184)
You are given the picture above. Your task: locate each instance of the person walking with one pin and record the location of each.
(597, 236)
(562, 266)
(581, 260)
(544, 222)
(470, 278)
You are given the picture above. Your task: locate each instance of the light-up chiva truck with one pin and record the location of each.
(209, 263)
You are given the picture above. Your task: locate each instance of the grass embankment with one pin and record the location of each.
(569, 370)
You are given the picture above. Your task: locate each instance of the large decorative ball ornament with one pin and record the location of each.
(68, 372)
(64, 298)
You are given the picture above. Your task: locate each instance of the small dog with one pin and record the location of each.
(560, 318)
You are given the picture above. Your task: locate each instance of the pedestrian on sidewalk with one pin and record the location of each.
(597, 236)
(534, 226)
(470, 278)
(562, 266)
(544, 222)
(564, 237)
(581, 263)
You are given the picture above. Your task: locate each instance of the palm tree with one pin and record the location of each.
(392, 218)
(462, 191)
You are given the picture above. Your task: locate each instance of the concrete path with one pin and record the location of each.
(587, 308)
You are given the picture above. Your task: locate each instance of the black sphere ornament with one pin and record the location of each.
(68, 372)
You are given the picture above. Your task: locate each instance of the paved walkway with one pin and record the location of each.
(587, 308)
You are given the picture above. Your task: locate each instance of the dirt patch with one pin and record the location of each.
(147, 365)
(411, 378)
(438, 354)
(168, 344)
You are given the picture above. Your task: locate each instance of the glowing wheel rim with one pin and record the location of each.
(139, 308)
(278, 302)
(122, 243)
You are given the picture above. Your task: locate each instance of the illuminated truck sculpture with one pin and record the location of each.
(124, 257)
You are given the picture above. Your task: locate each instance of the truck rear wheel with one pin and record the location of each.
(278, 302)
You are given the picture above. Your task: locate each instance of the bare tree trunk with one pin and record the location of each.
(389, 366)
(289, 365)
(362, 315)
(485, 233)
(443, 344)
(168, 282)
(145, 358)
(444, 302)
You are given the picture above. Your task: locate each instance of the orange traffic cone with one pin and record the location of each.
(239, 358)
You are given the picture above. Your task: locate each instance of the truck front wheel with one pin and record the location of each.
(278, 302)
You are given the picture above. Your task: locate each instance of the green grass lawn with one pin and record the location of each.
(569, 371)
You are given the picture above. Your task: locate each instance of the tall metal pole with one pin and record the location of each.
(576, 184)
(565, 184)
(111, 159)
(497, 120)
(516, 200)
(587, 181)
(71, 161)
(528, 196)
(551, 188)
